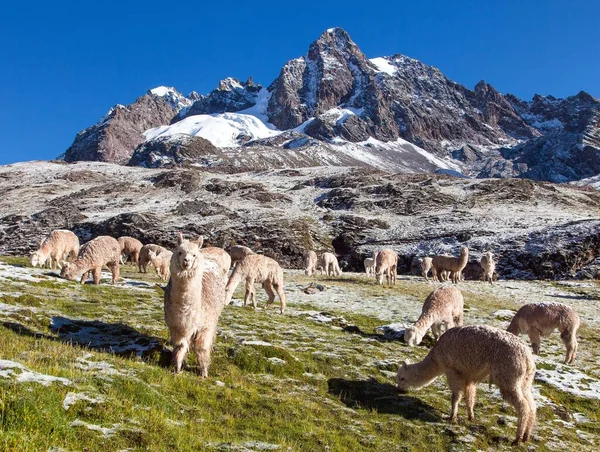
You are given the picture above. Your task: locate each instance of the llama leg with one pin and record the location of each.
(250, 292)
(534, 337)
(96, 272)
(470, 390)
(570, 341)
(281, 295)
(114, 268)
(434, 274)
(202, 345)
(532, 409)
(84, 277)
(180, 349)
(516, 398)
(457, 386)
(268, 286)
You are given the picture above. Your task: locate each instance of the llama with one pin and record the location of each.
(369, 264)
(310, 262)
(442, 310)
(161, 262)
(261, 269)
(470, 354)
(144, 255)
(541, 319)
(386, 263)
(130, 247)
(329, 264)
(488, 265)
(425, 267)
(193, 304)
(93, 255)
(218, 255)
(59, 246)
(454, 265)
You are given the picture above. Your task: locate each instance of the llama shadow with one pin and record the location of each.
(381, 397)
(116, 338)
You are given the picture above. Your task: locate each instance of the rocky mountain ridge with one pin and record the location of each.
(336, 96)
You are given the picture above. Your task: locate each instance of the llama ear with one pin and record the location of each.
(200, 241)
(179, 238)
(405, 363)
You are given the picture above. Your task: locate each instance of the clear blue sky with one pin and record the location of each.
(64, 64)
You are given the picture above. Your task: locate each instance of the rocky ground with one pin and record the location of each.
(536, 229)
(86, 367)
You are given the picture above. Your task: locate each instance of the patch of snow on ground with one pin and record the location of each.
(8, 370)
(106, 431)
(571, 380)
(73, 397)
(263, 343)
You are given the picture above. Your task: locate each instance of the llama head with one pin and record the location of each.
(187, 258)
(36, 259)
(402, 377)
(411, 337)
(69, 271)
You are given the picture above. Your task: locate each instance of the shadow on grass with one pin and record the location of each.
(575, 297)
(116, 338)
(381, 397)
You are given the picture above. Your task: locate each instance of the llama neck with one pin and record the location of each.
(463, 259)
(424, 322)
(425, 372)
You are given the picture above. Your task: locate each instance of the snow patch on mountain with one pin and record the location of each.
(176, 100)
(222, 130)
(383, 65)
(259, 110)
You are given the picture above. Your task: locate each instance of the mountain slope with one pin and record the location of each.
(115, 136)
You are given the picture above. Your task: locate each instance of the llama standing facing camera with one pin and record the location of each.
(193, 303)
(386, 263)
(329, 264)
(310, 263)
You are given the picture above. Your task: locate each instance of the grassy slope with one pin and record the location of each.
(315, 387)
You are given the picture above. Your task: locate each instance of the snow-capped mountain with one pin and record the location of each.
(336, 105)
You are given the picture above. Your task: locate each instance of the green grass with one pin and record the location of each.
(304, 386)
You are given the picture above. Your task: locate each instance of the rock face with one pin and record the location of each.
(172, 150)
(230, 96)
(335, 95)
(569, 148)
(116, 136)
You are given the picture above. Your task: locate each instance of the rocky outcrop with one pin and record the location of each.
(174, 150)
(230, 96)
(120, 132)
(569, 148)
